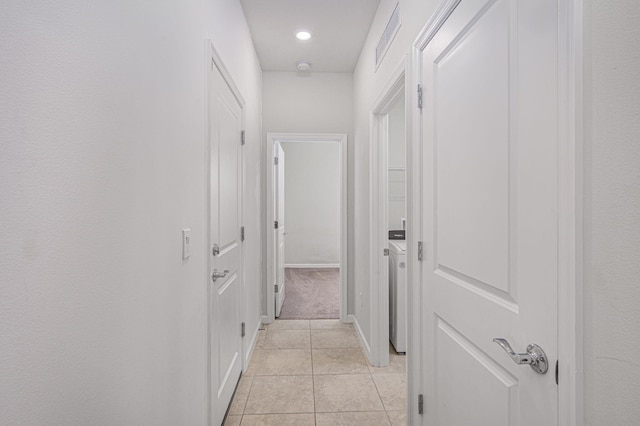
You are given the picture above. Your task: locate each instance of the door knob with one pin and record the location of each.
(535, 356)
(215, 274)
(215, 249)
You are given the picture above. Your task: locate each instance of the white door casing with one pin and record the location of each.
(272, 139)
(280, 230)
(224, 252)
(377, 350)
(490, 213)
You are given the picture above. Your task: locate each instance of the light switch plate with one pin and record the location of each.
(186, 243)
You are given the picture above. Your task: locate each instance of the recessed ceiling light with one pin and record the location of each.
(303, 35)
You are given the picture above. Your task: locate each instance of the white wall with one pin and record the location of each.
(397, 162)
(312, 203)
(612, 213)
(102, 123)
(313, 103)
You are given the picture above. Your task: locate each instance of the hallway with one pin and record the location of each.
(135, 230)
(313, 372)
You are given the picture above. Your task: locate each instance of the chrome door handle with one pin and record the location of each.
(215, 249)
(535, 356)
(215, 274)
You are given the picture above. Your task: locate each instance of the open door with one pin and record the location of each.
(279, 228)
(490, 193)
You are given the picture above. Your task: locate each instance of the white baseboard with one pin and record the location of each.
(363, 341)
(312, 265)
(252, 345)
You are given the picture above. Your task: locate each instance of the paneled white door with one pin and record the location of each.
(225, 247)
(489, 129)
(280, 230)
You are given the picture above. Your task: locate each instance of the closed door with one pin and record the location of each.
(225, 249)
(280, 230)
(489, 129)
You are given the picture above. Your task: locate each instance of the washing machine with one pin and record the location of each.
(398, 295)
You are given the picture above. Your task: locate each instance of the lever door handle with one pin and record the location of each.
(215, 274)
(535, 356)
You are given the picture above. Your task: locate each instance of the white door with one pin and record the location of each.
(225, 249)
(490, 212)
(280, 230)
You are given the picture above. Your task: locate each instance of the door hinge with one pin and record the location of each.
(385, 252)
(556, 372)
(242, 233)
(420, 404)
(275, 288)
(242, 330)
(242, 137)
(275, 160)
(419, 96)
(420, 251)
(275, 224)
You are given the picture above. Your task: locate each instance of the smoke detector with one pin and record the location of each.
(304, 66)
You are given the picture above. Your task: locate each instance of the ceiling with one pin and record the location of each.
(339, 30)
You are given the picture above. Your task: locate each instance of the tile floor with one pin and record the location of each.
(313, 372)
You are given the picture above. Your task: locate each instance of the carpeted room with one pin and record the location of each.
(311, 173)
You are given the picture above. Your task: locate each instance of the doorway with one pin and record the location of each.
(389, 219)
(390, 230)
(308, 254)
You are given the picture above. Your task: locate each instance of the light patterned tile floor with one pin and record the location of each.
(313, 372)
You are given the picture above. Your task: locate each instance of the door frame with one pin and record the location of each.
(378, 350)
(213, 59)
(272, 138)
(570, 207)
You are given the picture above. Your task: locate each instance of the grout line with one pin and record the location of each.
(352, 411)
(280, 414)
(378, 390)
(317, 412)
(387, 413)
(244, 407)
(285, 375)
(313, 380)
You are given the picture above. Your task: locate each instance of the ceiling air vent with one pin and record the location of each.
(388, 34)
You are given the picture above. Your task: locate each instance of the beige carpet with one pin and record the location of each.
(311, 294)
